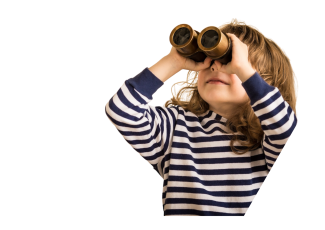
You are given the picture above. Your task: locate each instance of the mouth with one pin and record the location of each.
(217, 82)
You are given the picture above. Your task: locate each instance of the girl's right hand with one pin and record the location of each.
(186, 63)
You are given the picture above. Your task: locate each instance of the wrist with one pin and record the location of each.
(174, 63)
(165, 68)
(245, 73)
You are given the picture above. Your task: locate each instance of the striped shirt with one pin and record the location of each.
(202, 176)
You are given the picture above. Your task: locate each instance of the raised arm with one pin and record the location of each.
(277, 118)
(148, 129)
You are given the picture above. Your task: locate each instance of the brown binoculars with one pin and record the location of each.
(197, 46)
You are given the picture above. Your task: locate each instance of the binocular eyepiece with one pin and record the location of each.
(197, 46)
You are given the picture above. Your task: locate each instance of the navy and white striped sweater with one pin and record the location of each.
(202, 176)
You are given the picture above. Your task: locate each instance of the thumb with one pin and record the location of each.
(206, 63)
(202, 65)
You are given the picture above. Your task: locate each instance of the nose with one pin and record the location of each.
(213, 66)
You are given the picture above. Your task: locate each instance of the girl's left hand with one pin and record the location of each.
(239, 62)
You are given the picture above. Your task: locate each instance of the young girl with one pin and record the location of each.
(214, 150)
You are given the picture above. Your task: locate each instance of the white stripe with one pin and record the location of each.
(269, 107)
(210, 166)
(205, 207)
(277, 117)
(266, 97)
(194, 174)
(284, 128)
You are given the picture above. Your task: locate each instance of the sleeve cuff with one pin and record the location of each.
(146, 83)
(256, 88)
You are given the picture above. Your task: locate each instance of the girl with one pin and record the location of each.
(215, 149)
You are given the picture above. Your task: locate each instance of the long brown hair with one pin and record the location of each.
(273, 66)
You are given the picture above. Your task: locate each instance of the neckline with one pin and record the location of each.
(217, 116)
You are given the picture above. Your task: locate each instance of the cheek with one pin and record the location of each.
(240, 92)
(237, 85)
(200, 84)
(200, 90)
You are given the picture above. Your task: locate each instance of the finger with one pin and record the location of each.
(207, 61)
(232, 35)
(203, 65)
(233, 38)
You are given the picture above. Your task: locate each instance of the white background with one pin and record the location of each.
(64, 165)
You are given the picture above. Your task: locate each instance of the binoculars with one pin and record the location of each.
(197, 46)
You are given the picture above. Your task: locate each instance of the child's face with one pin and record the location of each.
(223, 99)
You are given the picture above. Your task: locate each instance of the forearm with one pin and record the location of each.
(245, 73)
(164, 68)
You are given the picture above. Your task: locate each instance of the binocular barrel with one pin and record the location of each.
(197, 46)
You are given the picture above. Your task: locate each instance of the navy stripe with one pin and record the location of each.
(236, 171)
(216, 193)
(207, 202)
(272, 113)
(267, 102)
(271, 151)
(267, 140)
(203, 138)
(198, 213)
(280, 123)
(217, 182)
(223, 160)
(182, 145)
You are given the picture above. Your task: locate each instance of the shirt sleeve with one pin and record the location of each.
(277, 118)
(148, 129)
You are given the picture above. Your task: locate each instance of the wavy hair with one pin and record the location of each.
(273, 66)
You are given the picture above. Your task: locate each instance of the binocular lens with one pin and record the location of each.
(209, 38)
(181, 36)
